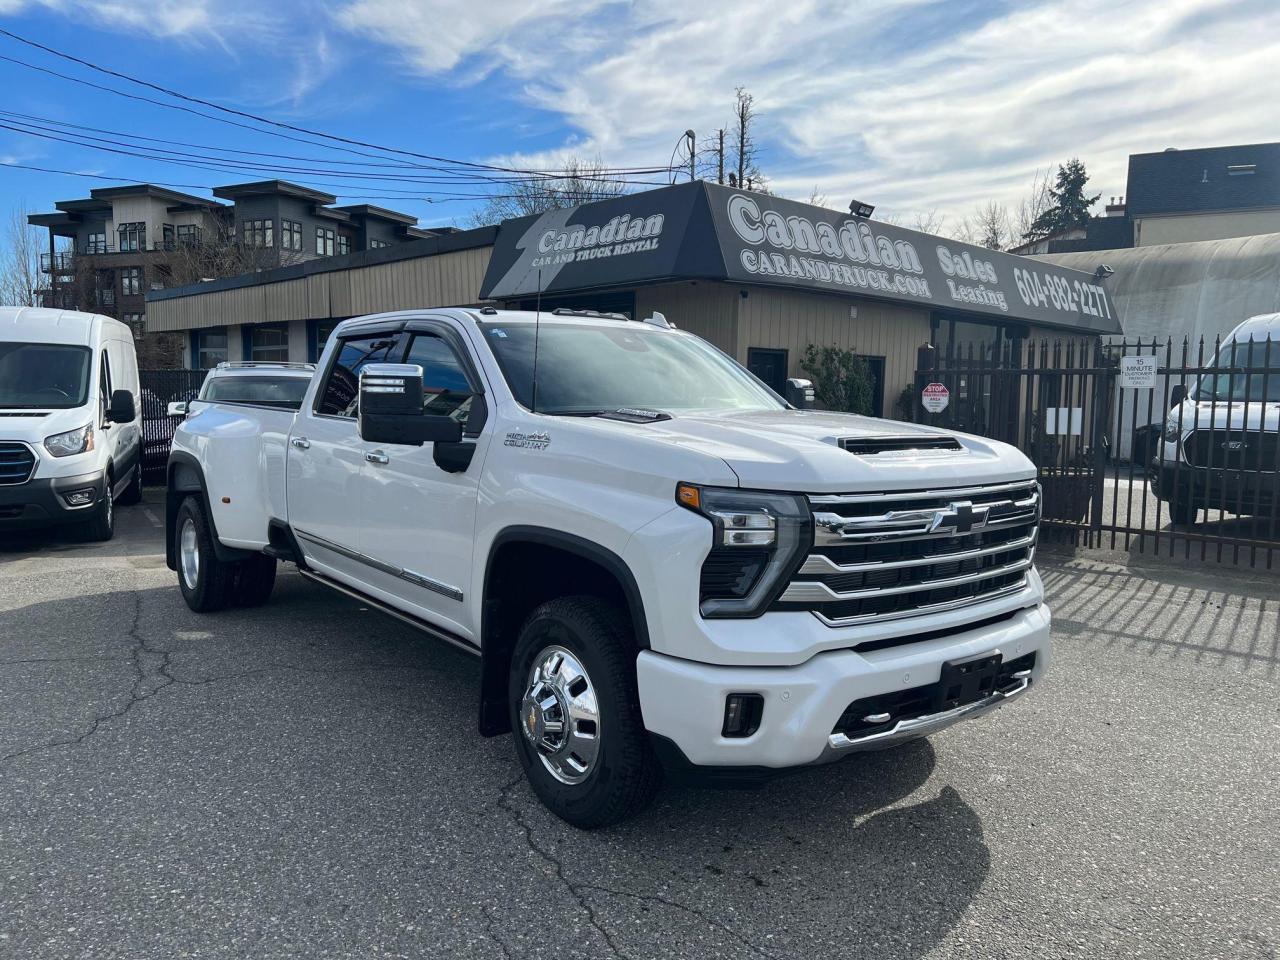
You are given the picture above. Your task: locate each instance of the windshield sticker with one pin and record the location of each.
(499, 333)
(528, 441)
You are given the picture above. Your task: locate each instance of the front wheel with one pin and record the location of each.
(133, 492)
(575, 713)
(102, 525)
(1184, 510)
(206, 582)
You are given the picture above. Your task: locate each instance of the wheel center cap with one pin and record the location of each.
(532, 720)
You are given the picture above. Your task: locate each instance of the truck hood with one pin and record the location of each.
(33, 426)
(800, 450)
(1250, 416)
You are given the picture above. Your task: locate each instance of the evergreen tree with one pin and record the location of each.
(1070, 206)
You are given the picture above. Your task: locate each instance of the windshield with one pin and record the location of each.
(272, 391)
(1249, 372)
(43, 375)
(585, 369)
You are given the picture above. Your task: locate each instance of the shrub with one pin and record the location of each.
(841, 379)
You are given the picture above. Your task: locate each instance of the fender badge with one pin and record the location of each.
(528, 441)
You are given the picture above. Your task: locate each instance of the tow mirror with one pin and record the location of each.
(1177, 395)
(121, 409)
(391, 411)
(800, 393)
(177, 408)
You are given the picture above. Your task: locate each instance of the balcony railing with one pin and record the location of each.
(60, 262)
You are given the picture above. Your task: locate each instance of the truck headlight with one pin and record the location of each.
(758, 540)
(79, 440)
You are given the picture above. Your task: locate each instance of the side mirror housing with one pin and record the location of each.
(177, 408)
(800, 393)
(390, 408)
(1177, 395)
(121, 409)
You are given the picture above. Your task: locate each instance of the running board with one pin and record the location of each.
(391, 611)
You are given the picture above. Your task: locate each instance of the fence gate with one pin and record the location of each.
(159, 387)
(1151, 446)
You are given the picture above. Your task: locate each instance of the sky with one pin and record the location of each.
(918, 107)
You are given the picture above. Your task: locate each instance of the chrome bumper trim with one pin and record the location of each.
(839, 745)
(815, 591)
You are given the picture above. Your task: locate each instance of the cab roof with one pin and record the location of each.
(41, 325)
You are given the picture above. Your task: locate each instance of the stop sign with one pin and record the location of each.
(935, 397)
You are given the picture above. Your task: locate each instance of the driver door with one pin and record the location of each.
(419, 518)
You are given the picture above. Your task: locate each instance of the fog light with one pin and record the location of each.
(80, 498)
(742, 713)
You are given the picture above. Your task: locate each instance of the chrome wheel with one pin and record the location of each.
(559, 715)
(189, 554)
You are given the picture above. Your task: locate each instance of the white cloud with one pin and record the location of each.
(908, 104)
(181, 19)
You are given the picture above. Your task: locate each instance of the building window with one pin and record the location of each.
(378, 244)
(134, 320)
(344, 245)
(259, 233)
(95, 243)
(133, 237)
(324, 242)
(131, 281)
(320, 331)
(189, 234)
(208, 348)
(290, 235)
(167, 232)
(267, 343)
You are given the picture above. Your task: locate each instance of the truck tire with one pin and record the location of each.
(254, 579)
(133, 492)
(1184, 510)
(102, 525)
(205, 581)
(575, 713)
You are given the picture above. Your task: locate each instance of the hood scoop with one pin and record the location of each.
(24, 413)
(873, 446)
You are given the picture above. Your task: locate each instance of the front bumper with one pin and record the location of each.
(1236, 491)
(683, 702)
(40, 501)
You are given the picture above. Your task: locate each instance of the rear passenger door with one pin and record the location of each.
(326, 459)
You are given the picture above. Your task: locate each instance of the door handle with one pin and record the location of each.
(302, 443)
(377, 457)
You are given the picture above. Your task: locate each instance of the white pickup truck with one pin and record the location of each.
(662, 564)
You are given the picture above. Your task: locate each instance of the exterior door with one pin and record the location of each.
(770, 366)
(326, 462)
(419, 519)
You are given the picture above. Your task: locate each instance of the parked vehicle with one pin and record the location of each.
(660, 562)
(265, 383)
(1220, 447)
(70, 438)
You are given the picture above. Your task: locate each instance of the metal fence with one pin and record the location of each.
(159, 388)
(1094, 417)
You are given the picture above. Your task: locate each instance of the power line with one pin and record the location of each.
(551, 174)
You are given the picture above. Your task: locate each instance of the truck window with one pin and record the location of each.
(341, 392)
(446, 391)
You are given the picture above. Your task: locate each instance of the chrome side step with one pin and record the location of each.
(442, 635)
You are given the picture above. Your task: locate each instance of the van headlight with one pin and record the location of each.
(73, 441)
(1173, 431)
(757, 541)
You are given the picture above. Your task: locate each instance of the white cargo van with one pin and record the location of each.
(70, 431)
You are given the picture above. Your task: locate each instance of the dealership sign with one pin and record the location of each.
(705, 231)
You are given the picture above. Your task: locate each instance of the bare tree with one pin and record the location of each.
(582, 181)
(745, 151)
(928, 222)
(1035, 203)
(219, 254)
(989, 226)
(19, 261)
(817, 197)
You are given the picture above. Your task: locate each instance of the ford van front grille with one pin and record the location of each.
(16, 462)
(885, 556)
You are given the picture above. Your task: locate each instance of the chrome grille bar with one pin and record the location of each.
(815, 591)
(820, 563)
(920, 611)
(832, 528)
(843, 498)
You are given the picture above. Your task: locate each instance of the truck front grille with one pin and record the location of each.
(1249, 450)
(16, 462)
(884, 556)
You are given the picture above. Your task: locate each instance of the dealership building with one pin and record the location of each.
(761, 277)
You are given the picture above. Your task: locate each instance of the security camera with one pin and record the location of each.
(1102, 272)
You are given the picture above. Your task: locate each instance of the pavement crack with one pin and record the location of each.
(491, 931)
(151, 675)
(575, 890)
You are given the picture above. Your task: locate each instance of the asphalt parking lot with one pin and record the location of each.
(305, 780)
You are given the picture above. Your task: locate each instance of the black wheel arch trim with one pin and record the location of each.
(175, 492)
(494, 719)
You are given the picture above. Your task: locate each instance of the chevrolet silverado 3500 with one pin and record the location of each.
(662, 564)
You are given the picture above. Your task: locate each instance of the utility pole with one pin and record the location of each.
(693, 155)
(720, 155)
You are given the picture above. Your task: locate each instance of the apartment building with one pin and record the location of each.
(106, 251)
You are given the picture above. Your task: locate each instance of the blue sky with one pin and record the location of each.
(913, 105)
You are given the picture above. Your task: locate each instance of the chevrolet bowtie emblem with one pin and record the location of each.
(961, 517)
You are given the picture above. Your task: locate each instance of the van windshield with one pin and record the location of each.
(1247, 372)
(585, 370)
(45, 376)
